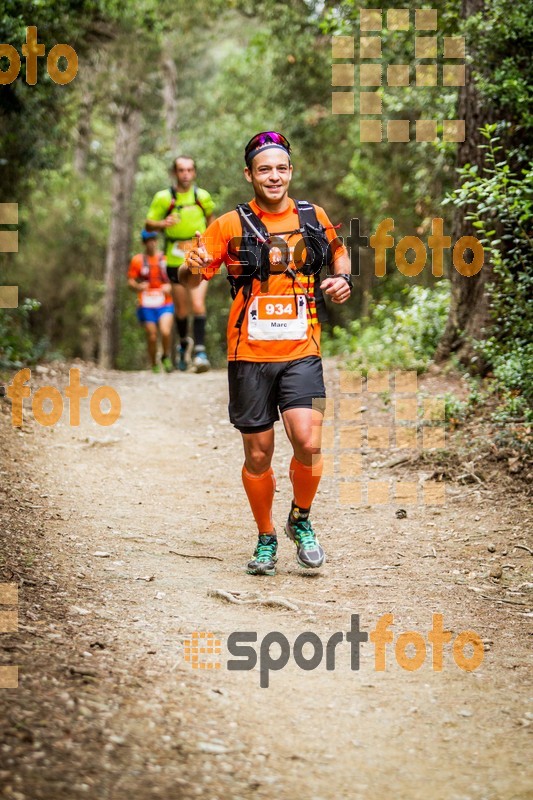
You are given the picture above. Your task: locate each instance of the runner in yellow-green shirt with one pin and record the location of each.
(178, 212)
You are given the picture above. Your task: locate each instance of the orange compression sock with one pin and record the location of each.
(305, 481)
(260, 490)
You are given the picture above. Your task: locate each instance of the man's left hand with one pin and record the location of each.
(336, 288)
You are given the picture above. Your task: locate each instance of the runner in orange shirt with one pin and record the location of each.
(274, 249)
(147, 275)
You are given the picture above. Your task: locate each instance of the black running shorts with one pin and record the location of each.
(257, 389)
(172, 273)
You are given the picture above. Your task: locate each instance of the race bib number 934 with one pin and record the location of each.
(277, 317)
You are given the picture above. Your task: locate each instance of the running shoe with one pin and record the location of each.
(156, 368)
(201, 361)
(309, 553)
(183, 353)
(264, 558)
(168, 366)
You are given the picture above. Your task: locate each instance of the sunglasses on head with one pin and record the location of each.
(266, 137)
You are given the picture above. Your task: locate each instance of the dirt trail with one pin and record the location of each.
(108, 707)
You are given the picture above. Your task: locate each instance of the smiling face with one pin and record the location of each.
(270, 174)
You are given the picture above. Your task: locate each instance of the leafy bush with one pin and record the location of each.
(455, 410)
(17, 344)
(400, 335)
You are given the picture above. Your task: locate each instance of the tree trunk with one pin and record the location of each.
(170, 100)
(124, 168)
(468, 313)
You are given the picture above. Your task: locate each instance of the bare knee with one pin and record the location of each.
(258, 459)
(304, 452)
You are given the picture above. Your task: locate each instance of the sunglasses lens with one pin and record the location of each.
(267, 137)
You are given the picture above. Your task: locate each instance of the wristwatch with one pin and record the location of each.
(347, 277)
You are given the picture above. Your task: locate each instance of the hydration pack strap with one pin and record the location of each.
(256, 235)
(173, 205)
(145, 270)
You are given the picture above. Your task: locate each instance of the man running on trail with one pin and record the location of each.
(179, 212)
(273, 249)
(147, 275)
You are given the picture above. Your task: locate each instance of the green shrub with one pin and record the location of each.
(18, 346)
(499, 203)
(401, 335)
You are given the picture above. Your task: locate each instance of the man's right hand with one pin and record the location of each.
(197, 257)
(169, 221)
(161, 224)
